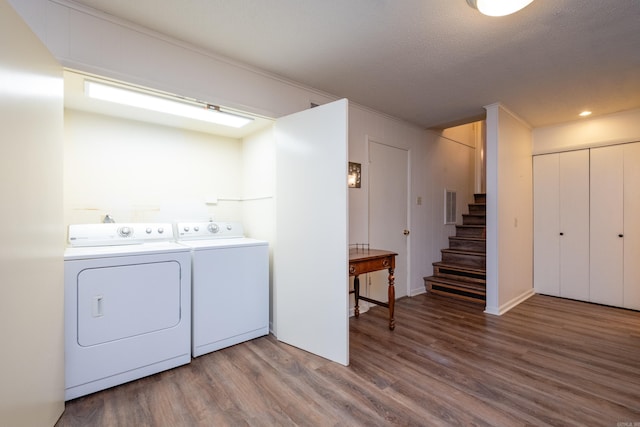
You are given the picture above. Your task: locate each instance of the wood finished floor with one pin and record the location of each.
(548, 361)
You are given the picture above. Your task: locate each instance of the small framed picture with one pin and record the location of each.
(353, 179)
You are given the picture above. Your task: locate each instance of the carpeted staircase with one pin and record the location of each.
(462, 271)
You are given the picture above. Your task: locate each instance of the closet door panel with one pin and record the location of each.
(574, 224)
(546, 249)
(632, 226)
(606, 226)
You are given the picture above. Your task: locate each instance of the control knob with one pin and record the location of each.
(125, 231)
(213, 228)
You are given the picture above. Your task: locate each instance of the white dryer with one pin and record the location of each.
(230, 284)
(127, 304)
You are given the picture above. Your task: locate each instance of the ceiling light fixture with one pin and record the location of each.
(498, 7)
(163, 104)
(585, 114)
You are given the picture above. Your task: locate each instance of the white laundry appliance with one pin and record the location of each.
(230, 284)
(127, 304)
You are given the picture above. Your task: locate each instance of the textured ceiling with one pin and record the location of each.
(430, 62)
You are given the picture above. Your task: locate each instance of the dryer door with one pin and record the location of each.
(120, 302)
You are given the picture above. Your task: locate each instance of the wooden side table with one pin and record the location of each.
(363, 260)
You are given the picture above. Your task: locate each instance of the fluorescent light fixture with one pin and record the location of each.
(138, 99)
(585, 114)
(498, 7)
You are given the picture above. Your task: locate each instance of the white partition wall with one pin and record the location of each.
(31, 264)
(311, 253)
(509, 210)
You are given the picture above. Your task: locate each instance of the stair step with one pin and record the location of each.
(466, 258)
(468, 243)
(478, 288)
(455, 288)
(457, 272)
(461, 273)
(477, 231)
(480, 198)
(475, 218)
(477, 208)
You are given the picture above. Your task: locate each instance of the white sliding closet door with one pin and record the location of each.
(632, 226)
(546, 224)
(574, 224)
(607, 227)
(561, 224)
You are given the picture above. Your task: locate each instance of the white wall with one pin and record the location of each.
(258, 184)
(258, 210)
(31, 249)
(458, 162)
(141, 172)
(588, 132)
(509, 210)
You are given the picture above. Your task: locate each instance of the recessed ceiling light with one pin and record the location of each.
(498, 7)
(585, 114)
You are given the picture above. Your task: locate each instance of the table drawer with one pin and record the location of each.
(362, 267)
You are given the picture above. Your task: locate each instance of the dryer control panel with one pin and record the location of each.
(119, 233)
(209, 230)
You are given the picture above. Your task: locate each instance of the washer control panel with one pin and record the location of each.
(119, 234)
(208, 230)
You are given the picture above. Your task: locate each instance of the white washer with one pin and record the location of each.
(127, 304)
(230, 284)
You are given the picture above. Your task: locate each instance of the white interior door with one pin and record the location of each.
(31, 264)
(388, 200)
(606, 224)
(311, 249)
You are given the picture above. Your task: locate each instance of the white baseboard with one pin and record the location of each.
(499, 311)
(417, 291)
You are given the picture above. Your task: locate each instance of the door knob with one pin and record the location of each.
(406, 232)
(620, 235)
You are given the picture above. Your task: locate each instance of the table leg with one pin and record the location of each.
(392, 299)
(356, 289)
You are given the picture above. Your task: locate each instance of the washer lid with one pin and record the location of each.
(222, 243)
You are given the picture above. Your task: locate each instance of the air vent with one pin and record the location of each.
(450, 213)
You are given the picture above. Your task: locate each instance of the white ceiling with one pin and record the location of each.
(430, 62)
